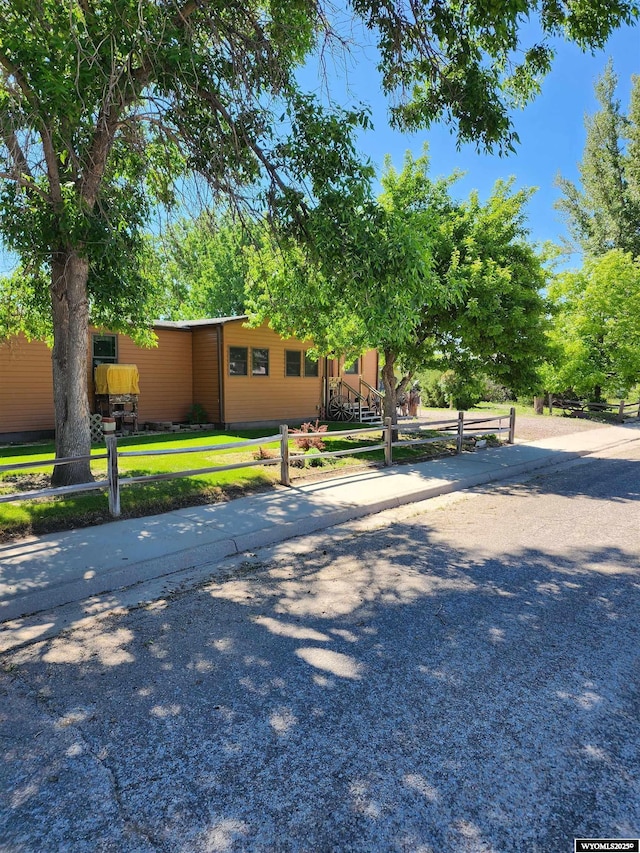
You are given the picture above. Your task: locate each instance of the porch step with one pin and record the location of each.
(368, 416)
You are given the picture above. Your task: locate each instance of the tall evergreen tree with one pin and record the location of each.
(604, 213)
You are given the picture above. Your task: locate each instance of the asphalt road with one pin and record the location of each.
(466, 679)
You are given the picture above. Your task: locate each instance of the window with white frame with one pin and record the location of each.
(104, 349)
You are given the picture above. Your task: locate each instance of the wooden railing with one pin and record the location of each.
(621, 410)
(372, 396)
(346, 403)
(450, 430)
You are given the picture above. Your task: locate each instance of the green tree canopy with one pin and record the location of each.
(597, 327)
(497, 326)
(427, 280)
(201, 267)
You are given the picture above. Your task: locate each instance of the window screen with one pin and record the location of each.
(260, 362)
(310, 366)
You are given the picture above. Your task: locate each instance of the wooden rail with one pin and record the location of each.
(622, 410)
(451, 430)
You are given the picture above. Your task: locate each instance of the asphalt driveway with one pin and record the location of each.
(465, 679)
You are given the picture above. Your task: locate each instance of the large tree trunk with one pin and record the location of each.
(69, 359)
(390, 407)
(391, 389)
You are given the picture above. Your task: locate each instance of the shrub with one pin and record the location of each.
(433, 395)
(461, 392)
(197, 414)
(493, 392)
(264, 453)
(307, 443)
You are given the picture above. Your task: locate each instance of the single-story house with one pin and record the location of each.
(240, 376)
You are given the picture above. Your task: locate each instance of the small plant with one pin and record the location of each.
(307, 443)
(264, 453)
(197, 415)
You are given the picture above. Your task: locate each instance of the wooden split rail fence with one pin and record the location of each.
(622, 410)
(455, 430)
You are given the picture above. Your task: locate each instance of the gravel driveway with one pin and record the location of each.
(528, 427)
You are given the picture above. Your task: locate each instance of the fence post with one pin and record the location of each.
(512, 425)
(285, 479)
(621, 411)
(460, 435)
(112, 474)
(387, 432)
(550, 403)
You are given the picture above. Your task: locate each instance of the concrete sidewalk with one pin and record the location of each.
(40, 574)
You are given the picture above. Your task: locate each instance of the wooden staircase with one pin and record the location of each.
(347, 404)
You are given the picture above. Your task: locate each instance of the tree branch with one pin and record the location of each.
(26, 183)
(45, 134)
(16, 153)
(112, 108)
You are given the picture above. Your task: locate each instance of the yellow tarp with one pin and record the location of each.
(117, 379)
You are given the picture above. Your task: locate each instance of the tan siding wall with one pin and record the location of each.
(181, 370)
(26, 386)
(206, 378)
(166, 375)
(275, 397)
(369, 367)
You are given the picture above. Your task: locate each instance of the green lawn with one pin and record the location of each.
(56, 513)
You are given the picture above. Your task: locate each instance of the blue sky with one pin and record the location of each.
(551, 129)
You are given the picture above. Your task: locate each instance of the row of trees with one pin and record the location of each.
(438, 283)
(596, 330)
(428, 280)
(109, 108)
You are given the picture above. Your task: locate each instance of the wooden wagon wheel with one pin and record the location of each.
(340, 409)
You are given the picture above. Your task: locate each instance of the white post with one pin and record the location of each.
(112, 474)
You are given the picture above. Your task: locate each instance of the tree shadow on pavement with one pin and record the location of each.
(388, 691)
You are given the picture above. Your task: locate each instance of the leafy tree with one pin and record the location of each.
(201, 268)
(605, 213)
(105, 104)
(428, 281)
(597, 327)
(361, 282)
(461, 392)
(103, 108)
(497, 328)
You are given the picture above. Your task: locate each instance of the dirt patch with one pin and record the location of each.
(537, 427)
